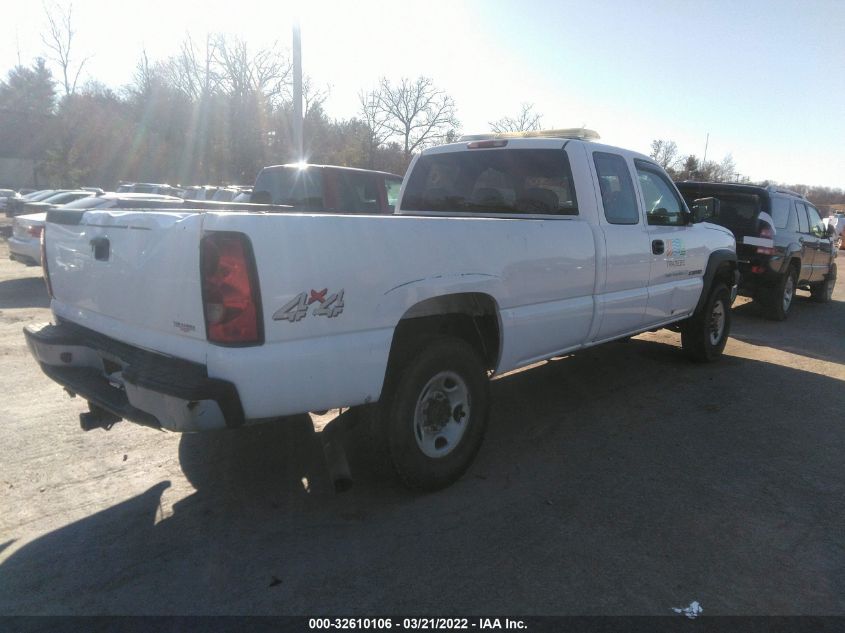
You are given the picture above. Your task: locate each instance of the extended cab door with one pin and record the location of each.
(622, 303)
(678, 254)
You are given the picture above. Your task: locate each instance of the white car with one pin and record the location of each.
(25, 243)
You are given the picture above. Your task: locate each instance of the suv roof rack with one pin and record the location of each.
(775, 189)
(575, 133)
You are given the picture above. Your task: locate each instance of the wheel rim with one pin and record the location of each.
(788, 291)
(442, 414)
(717, 322)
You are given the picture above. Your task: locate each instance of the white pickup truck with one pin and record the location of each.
(502, 252)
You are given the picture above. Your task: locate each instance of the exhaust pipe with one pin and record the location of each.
(97, 418)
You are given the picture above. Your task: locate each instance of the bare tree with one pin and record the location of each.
(526, 121)
(665, 153)
(241, 71)
(375, 120)
(415, 111)
(59, 39)
(192, 71)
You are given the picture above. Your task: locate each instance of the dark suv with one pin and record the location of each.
(781, 242)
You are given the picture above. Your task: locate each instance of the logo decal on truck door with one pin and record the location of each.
(297, 308)
(676, 253)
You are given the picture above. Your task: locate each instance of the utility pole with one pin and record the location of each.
(706, 143)
(297, 92)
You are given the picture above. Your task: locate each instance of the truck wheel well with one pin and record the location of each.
(473, 317)
(725, 273)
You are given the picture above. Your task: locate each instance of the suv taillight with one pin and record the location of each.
(44, 268)
(768, 233)
(230, 294)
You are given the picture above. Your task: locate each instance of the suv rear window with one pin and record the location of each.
(737, 211)
(508, 181)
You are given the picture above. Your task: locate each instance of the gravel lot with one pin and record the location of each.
(621, 480)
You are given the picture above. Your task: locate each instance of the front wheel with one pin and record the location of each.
(435, 414)
(704, 336)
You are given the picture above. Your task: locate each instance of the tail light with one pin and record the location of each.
(35, 231)
(44, 267)
(766, 232)
(231, 298)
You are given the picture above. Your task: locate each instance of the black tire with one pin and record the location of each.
(778, 299)
(419, 397)
(823, 292)
(704, 336)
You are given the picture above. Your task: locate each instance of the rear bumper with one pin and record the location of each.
(25, 251)
(134, 384)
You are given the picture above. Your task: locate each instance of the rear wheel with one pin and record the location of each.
(823, 292)
(704, 336)
(778, 299)
(435, 413)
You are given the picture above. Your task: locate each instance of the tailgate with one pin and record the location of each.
(133, 275)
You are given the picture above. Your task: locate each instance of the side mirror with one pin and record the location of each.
(830, 231)
(704, 209)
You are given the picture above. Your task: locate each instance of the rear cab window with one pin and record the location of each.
(493, 182)
(300, 188)
(358, 191)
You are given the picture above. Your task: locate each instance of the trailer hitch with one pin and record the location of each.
(97, 418)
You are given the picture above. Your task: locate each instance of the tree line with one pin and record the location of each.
(690, 167)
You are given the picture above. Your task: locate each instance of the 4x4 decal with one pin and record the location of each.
(297, 308)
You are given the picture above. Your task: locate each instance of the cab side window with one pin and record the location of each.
(803, 225)
(393, 185)
(663, 207)
(617, 189)
(816, 224)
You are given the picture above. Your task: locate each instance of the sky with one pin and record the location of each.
(764, 79)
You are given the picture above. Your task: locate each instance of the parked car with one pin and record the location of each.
(5, 194)
(197, 192)
(148, 187)
(327, 188)
(25, 242)
(14, 205)
(782, 243)
(837, 221)
(228, 194)
(56, 200)
(503, 252)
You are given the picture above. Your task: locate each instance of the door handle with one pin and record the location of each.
(657, 247)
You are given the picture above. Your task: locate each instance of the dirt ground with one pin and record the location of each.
(621, 480)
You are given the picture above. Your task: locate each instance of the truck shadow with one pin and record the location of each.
(24, 292)
(620, 480)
